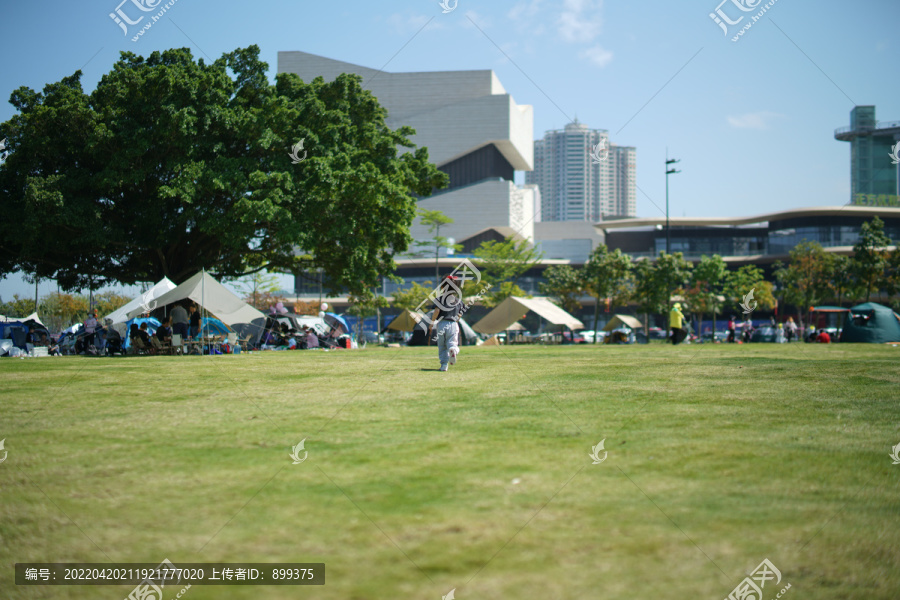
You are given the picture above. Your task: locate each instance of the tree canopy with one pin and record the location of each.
(607, 275)
(870, 257)
(563, 285)
(172, 165)
(501, 264)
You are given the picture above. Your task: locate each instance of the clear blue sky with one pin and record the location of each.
(751, 121)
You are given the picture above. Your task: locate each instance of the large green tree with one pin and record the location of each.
(805, 280)
(607, 275)
(741, 282)
(172, 165)
(843, 284)
(657, 281)
(706, 286)
(870, 257)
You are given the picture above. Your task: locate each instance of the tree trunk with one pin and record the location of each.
(596, 318)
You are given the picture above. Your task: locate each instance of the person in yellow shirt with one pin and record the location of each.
(676, 324)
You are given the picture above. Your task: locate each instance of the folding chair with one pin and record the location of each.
(138, 346)
(159, 346)
(177, 344)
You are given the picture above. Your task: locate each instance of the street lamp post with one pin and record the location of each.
(669, 161)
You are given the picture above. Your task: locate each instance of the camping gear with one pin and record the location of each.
(871, 323)
(22, 331)
(151, 322)
(215, 298)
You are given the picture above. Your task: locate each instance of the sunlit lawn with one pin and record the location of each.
(418, 482)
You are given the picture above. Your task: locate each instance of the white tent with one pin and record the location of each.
(203, 289)
(32, 317)
(147, 299)
(512, 309)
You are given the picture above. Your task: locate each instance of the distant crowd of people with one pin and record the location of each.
(184, 320)
(305, 339)
(784, 332)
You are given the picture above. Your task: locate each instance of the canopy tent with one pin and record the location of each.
(214, 297)
(512, 309)
(871, 323)
(405, 321)
(146, 299)
(623, 321)
(516, 327)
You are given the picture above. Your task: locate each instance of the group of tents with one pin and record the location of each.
(225, 312)
(504, 317)
(864, 323)
(222, 311)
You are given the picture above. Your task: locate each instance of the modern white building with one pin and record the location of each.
(582, 176)
(474, 131)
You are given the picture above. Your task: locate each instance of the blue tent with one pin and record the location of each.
(213, 326)
(152, 324)
(20, 331)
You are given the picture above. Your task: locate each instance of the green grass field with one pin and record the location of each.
(418, 482)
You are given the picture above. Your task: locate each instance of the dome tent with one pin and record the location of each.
(871, 323)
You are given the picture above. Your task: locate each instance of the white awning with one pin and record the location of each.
(512, 309)
(120, 315)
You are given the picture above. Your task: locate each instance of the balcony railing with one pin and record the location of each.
(881, 125)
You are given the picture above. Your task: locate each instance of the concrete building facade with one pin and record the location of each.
(583, 176)
(474, 131)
